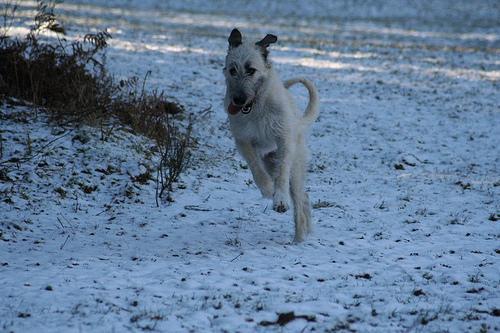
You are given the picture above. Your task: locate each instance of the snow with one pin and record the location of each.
(404, 175)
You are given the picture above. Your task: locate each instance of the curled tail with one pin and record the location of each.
(312, 109)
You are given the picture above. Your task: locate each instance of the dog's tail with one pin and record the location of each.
(312, 109)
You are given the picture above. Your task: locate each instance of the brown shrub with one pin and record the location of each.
(69, 81)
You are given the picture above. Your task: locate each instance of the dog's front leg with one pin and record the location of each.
(284, 153)
(260, 176)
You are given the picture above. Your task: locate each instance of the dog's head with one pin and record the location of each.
(247, 67)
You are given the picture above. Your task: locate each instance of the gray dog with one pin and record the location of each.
(268, 128)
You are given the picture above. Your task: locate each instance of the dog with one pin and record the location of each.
(268, 128)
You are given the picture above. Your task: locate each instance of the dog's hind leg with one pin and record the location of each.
(301, 204)
(301, 209)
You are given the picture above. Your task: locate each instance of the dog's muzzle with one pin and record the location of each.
(234, 109)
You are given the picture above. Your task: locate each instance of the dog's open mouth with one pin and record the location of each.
(234, 109)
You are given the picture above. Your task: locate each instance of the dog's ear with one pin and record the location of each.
(264, 43)
(234, 38)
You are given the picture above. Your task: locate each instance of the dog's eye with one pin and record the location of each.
(251, 71)
(232, 71)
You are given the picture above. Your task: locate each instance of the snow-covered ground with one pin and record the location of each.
(404, 176)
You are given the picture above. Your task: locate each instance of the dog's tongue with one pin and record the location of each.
(233, 109)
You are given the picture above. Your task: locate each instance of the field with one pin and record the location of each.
(404, 176)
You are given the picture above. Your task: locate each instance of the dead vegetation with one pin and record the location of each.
(68, 81)
(286, 317)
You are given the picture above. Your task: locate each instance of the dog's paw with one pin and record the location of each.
(298, 239)
(280, 203)
(280, 206)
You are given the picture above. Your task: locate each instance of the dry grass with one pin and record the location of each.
(69, 81)
(65, 78)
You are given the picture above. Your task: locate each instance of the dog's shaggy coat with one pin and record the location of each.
(268, 128)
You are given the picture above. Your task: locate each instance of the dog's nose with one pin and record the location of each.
(239, 100)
